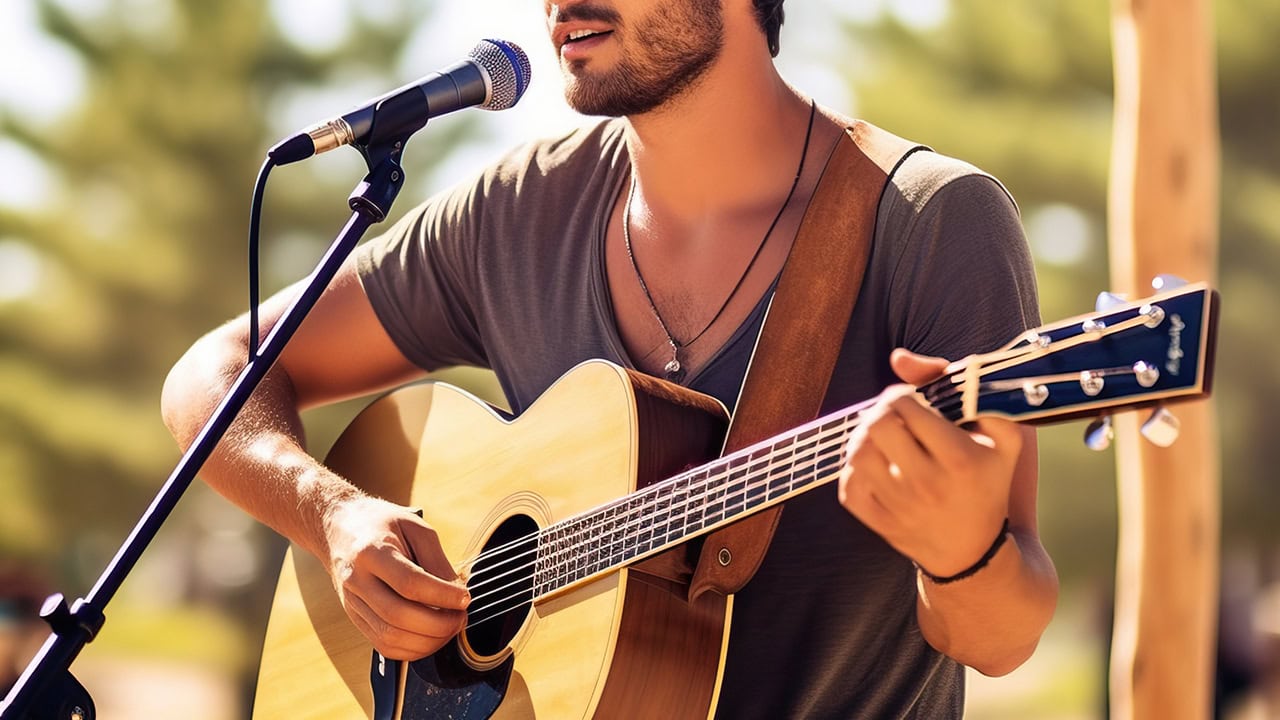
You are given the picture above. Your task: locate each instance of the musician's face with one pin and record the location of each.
(626, 58)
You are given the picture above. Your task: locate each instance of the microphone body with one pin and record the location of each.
(493, 77)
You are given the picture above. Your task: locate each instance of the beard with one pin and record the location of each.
(668, 51)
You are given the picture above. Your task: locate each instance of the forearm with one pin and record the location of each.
(993, 619)
(261, 463)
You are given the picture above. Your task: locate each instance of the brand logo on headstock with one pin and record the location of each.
(1174, 356)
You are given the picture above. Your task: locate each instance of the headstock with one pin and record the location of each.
(1126, 355)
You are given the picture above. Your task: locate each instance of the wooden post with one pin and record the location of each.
(1164, 219)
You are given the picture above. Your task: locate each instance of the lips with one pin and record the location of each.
(578, 35)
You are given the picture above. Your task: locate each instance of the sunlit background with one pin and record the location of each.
(130, 131)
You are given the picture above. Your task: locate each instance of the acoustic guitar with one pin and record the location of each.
(551, 513)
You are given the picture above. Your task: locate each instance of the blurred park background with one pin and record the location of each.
(130, 133)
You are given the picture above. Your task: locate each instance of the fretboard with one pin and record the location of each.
(690, 504)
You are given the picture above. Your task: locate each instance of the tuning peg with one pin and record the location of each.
(1161, 429)
(1035, 393)
(1098, 434)
(1107, 301)
(1146, 374)
(1162, 283)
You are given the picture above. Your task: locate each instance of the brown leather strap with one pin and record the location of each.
(803, 329)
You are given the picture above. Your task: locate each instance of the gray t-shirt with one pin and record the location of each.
(508, 273)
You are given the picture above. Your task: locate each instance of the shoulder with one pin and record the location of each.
(575, 152)
(934, 200)
(940, 208)
(926, 179)
(530, 178)
(926, 176)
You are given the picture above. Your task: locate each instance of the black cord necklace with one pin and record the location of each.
(673, 368)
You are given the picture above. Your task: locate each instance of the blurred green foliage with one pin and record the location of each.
(140, 248)
(1024, 91)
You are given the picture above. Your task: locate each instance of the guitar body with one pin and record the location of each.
(622, 643)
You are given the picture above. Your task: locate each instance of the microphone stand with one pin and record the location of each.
(47, 690)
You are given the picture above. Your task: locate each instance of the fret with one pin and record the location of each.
(616, 529)
(631, 539)
(696, 502)
(736, 500)
(755, 490)
(643, 539)
(716, 498)
(564, 553)
(681, 502)
(783, 483)
(590, 559)
(660, 519)
(548, 549)
(806, 446)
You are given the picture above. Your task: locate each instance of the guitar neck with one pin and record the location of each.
(692, 503)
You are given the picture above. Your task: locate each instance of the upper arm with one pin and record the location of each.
(341, 349)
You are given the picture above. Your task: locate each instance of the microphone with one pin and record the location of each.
(494, 76)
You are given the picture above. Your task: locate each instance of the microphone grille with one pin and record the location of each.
(508, 69)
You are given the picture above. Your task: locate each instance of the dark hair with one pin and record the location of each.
(769, 14)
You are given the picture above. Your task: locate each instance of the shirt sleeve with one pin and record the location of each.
(420, 283)
(963, 280)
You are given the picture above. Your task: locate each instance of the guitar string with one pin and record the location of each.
(709, 468)
(586, 529)
(622, 535)
(823, 454)
(633, 526)
(502, 605)
(654, 495)
(830, 446)
(638, 522)
(627, 522)
(638, 519)
(712, 472)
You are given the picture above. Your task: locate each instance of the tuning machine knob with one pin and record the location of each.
(1099, 434)
(1161, 429)
(1108, 301)
(1164, 283)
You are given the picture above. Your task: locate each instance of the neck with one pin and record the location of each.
(730, 141)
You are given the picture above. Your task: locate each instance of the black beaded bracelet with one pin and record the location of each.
(982, 561)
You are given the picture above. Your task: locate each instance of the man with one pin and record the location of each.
(651, 240)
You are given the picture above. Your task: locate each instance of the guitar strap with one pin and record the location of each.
(803, 330)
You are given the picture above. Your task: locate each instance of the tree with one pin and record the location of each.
(138, 248)
(1024, 91)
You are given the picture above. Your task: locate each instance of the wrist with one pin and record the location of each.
(973, 569)
(326, 498)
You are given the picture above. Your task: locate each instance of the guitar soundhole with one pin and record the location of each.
(501, 585)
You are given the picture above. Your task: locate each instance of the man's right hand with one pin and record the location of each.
(393, 578)
(390, 573)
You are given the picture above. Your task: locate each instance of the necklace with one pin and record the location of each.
(673, 368)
